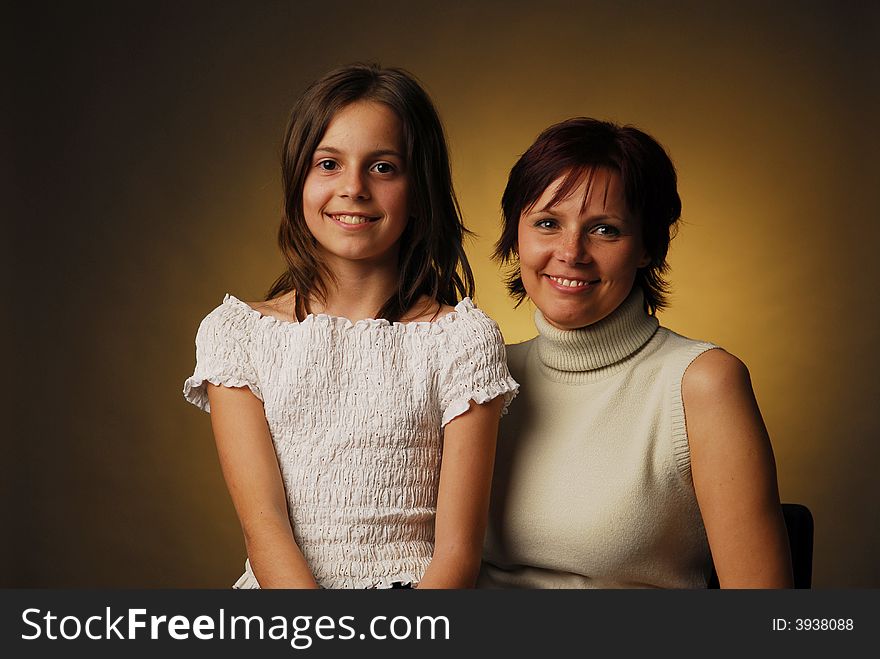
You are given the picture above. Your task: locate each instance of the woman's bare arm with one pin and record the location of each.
(250, 468)
(734, 474)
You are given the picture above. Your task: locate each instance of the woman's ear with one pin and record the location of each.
(645, 260)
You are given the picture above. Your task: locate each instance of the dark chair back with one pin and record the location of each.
(799, 524)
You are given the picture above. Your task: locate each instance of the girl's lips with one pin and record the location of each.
(351, 221)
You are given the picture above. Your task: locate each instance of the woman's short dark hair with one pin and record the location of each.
(574, 149)
(432, 260)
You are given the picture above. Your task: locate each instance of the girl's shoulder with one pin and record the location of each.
(469, 328)
(230, 320)
(280, 308)
(430, 313)
(234, 319)
(426, 310)
(427, 316)
(233, 310)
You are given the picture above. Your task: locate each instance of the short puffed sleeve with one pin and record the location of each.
(222, 356)
(473, 363)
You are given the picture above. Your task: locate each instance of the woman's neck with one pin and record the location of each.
(597, 347)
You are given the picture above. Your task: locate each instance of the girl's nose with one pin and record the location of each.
(353, 184)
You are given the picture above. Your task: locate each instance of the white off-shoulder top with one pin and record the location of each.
(356, 412)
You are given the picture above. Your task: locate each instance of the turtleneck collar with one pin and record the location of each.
(596, 346)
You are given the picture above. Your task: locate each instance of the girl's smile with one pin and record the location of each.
(351, 221)
(356, 194)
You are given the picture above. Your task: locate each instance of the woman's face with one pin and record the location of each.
(579, 258)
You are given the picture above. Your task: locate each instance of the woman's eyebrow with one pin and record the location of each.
(534, 210)
(608, 216)
(550, 210)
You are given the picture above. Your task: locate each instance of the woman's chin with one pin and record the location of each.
(570, 317)
(568, 321)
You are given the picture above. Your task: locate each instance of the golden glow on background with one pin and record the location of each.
(148, 169)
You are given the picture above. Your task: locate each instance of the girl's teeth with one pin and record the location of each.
(352, 219)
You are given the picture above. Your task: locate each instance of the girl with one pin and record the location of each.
(333, 401)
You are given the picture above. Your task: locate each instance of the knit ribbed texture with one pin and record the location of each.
(356, 411)
(592, 483)
(598, 350)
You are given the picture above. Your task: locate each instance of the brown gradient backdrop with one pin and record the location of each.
(145, 185)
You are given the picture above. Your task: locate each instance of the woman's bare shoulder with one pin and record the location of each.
(714, 373)
(716, 392)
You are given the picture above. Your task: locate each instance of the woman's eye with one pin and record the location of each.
(383, 167)
(546, 223)
(327, 165)
(606, 230)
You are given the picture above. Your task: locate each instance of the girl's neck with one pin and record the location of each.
(359, 292)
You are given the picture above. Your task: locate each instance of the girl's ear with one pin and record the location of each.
(645, 260)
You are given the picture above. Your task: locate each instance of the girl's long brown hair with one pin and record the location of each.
(432, 260)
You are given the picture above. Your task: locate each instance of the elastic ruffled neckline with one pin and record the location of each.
(340, 322)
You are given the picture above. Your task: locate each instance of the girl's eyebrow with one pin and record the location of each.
(372, 154)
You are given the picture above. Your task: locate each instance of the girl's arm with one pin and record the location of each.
(250, 468)
(463, 496)
(734, 474)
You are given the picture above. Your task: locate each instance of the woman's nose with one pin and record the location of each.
(573, 249)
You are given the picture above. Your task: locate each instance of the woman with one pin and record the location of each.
(632, 452)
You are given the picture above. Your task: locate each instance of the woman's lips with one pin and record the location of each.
(571, 285)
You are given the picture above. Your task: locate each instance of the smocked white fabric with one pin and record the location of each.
(356, 411)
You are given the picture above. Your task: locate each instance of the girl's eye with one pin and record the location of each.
(327, 165)
(383, 167)
(546, 223)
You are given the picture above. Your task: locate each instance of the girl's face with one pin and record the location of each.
(579, 258)
(356, 194)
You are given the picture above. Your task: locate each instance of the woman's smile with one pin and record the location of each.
(579, 255)
(570, 285)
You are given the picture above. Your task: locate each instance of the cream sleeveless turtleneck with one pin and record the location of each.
(592, 485)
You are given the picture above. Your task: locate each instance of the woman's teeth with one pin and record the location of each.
(570, 283)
